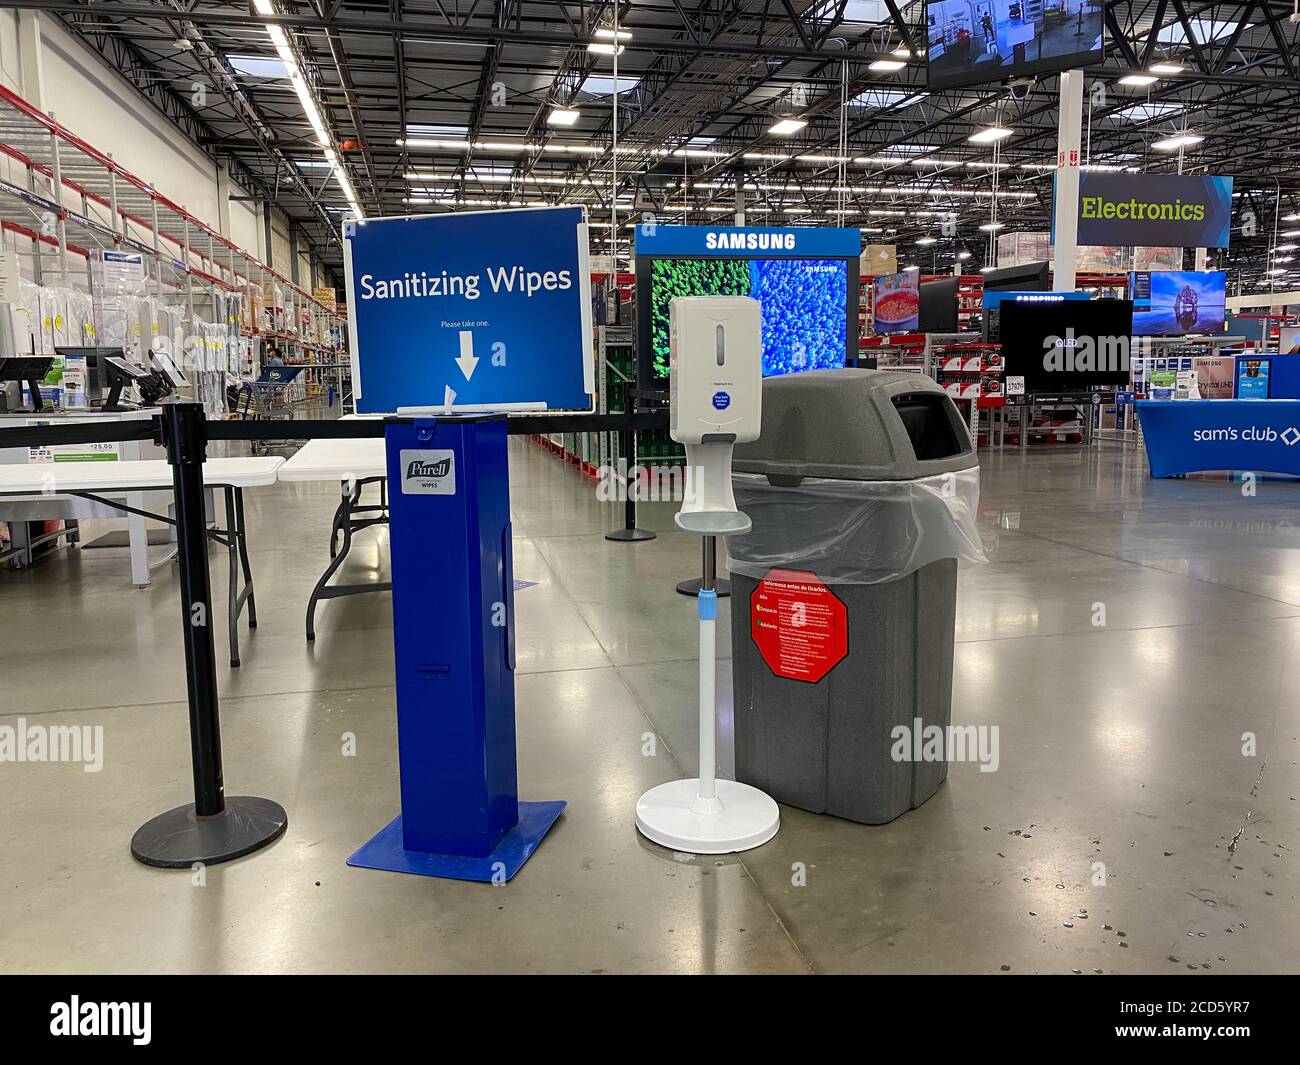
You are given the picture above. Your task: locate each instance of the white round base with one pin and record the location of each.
(745, 817)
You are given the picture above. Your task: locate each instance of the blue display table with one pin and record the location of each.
(1197, 436)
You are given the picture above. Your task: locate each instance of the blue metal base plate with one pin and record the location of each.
(385, 851)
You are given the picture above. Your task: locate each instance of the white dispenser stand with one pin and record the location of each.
(716, 384)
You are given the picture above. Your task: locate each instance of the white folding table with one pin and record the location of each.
(110, 483)
(70, 511)
(353, 462)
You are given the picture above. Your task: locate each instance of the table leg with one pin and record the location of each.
(243, 558)
(138, 535)
(345, 526)
(232, 552)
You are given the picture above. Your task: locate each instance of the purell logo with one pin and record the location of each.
(437, 469)
(428, 473)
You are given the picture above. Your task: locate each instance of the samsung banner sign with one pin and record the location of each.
(1154, 210)
(747, 242)
(477, 310)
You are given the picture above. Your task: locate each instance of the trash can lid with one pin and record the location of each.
(856, 424)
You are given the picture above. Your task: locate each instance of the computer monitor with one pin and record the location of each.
(117, 374)
(937, 311)
(95, 377)
(166, 366)
(27, 370)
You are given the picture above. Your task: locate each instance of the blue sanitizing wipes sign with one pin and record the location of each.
(485, 310)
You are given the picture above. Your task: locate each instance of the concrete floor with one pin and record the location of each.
(1120, 745)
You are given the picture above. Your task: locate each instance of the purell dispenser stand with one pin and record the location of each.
(716, 382)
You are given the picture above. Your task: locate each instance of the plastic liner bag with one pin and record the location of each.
(856, 532)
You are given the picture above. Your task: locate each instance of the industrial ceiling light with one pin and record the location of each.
(1179, 140)
(606, 49)
(902, 53)
(887, 64)
(1166, 68)
(1139, 79)
(963, 255)
(784, 127)
(563, 116)
(991, 227)
(989, 134)
(606, 34)
(928, 240)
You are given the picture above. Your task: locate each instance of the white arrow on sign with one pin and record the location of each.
(466, 360)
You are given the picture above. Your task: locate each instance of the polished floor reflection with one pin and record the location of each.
(1134, 642)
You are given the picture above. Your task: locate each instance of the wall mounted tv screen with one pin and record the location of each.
(977, 41)
(807, 306)
(1069, 346)
(1174, 302)
(896, 303)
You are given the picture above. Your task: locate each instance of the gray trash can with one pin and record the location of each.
(862, 490)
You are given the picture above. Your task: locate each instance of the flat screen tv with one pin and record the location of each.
(971, 42)
(1174, 302)
(938, 307)
(1066, 346)
(1030, 277)
(896, 303)
(805, 304)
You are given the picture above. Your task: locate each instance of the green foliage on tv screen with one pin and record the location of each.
(670, 278)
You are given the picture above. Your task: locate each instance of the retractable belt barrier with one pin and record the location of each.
(461, 816)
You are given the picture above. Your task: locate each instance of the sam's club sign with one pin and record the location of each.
(748, 242)
(1154, 210)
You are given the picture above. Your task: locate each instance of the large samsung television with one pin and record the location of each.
(807, 305)
(1066, 346)
(1174, 302)
(972, 42)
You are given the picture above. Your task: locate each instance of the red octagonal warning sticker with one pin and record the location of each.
(798, 625)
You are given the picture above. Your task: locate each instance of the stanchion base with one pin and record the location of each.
(748, 818)
(386, 850)
(721, 586)
(630, 535)
(178, 839)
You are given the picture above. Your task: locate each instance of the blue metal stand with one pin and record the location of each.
(454, 649)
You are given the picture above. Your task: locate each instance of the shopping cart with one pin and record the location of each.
(267, 399)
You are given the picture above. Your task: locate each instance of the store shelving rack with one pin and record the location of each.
(71, 200)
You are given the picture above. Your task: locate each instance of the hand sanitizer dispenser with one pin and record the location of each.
(716, 391)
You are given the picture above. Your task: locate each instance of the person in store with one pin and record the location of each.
(273, 358)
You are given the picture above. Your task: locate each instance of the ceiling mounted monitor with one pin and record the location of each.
(972, 42)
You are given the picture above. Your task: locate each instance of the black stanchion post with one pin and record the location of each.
(627, 452)
(213, 828)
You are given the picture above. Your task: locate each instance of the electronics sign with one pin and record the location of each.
(976, 41)
(1154, 210)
